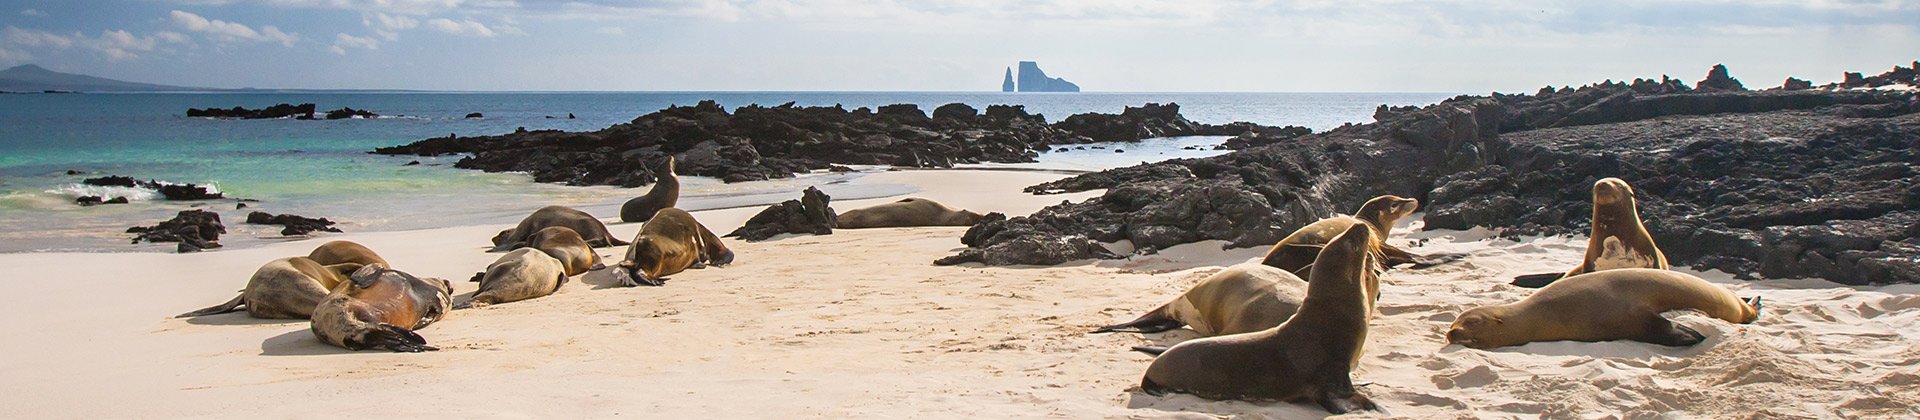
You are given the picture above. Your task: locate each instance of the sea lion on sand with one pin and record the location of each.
(1310, 356)
(588, 227)
(1619, 304)
(568, 247)
(381, 308)
(1618, 240)
(911, 211)
(336, 252)
(1242, 298)
(665, 193)
(1297, 252)
(671, 242)
(525, 273)
(284, 288)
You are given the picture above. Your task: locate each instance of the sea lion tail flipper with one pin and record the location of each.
(1535, 281)
(1151, 350)
(1152, 322)
(1429, 260)
(230, 306)
(612, 241)
(1148, 386)
(1758, 308)
(506, 247)
(391, 337)
(477, 276)
(597, 266)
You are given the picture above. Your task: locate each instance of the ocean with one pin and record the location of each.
(322, 168)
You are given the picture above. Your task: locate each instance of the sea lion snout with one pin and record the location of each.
(1611, 190)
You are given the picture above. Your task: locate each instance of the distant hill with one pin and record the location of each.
(32, 78)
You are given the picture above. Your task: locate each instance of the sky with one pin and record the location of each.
(954, 45)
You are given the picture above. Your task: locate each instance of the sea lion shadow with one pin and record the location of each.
(1177, 403)
(239, 318)
(297, 343)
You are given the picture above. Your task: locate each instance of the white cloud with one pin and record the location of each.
(231, 31)
(115, 45)
(611, 30)
(389, 26)
(172, 37)
(32, 12)
(343, 41)
(11, 57)
(33, 38)
(465, 27)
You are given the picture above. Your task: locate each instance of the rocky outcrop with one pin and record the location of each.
(294, 225)
(195, 230)
(1796, 84)
(301, 111)
(1777, 184)
(1032, 79)
(169, 190)
(808, 215)
(1156, 120)
(345, 113)
(757, 143)
(1717, 79)
(1902, 76)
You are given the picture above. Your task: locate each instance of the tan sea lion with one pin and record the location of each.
(911, 211)
(284, 288)
(381, 308)
(1618, 304)
(336, 252)
(565, 245)
(1242, 298)
(525, 273)
(588, 227)
(665, 194)
(1310, 356)
(1297, 252)
(671, 242)
(1618, 239)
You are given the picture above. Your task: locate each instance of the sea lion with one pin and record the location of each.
(1618, 240)
(1297, 252)
(284, 288)
(671, 242)
(588, 227)
(1242, 298)
(381, 308)
(1618, 304)
(665, 193)
(336, 252)
(525, 273)
(568, 247)
(1310, 356)
(911, 211)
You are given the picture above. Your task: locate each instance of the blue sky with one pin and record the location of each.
(953, 45)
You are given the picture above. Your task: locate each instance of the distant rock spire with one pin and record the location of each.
(1034, 80)
(1007, 85)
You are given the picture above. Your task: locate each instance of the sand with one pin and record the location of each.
(860, 324)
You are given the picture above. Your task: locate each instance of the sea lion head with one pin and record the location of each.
(1481, 328)
(502, 237)
(1354, 256)
(1610, 191)
(645, 261)
(1388, 208)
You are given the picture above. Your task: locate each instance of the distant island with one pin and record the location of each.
(32, 78)
(1032, 79)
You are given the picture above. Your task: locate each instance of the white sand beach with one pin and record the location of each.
(861, 324)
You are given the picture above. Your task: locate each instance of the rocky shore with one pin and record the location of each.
(757, 143)
(1781, 183)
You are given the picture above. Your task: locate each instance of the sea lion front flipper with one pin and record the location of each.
(716, 252)
(390, 337)
(1535, 281)
(1351, 402)
(627, 279)
(1396, 256)
(1664, 332)
(1151, 350)
(230, 306)
(1152, 322)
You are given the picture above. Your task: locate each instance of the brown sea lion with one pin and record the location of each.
(565, 245)
(1618, 239)
(1618, 304)
(1310, 356)
(665, 194)
(1242, 298)
(284, 288)
(336, 252)
(588, 227)
(381, 308)
(671, 242)
(911, 211)
(525, 273)
(1297, 252)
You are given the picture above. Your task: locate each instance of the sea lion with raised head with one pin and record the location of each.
(1618, 239)
(589, 228)
(1310, 356)
(336, 252)
(665, 194)
(568, 247)
(284, 288)
(1242, 298)
(671, 242)
(1618, 304)
(911, 211)
(1297, 252)
(525, 273)
(381, 308)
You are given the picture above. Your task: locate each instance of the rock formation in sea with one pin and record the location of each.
(293, 224)
(301, 111)
(1034, 80)
(195, 230)
(1777, 183)
(169, 190)
(1006, 85)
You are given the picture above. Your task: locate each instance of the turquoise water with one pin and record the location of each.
(321, 168)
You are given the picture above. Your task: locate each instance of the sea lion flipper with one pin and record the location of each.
(1351, 402)
(391, 337)
(1148, 386)
(1758, 308)
(1535, 281)
(1151, 350)
(230, 306)
(1152, 322)
(1664, 332)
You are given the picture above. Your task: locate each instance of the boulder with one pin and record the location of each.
(808, 215)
